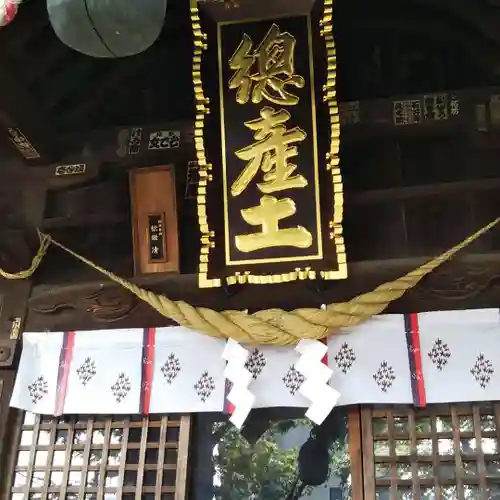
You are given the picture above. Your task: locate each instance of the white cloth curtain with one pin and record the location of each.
(446, 357)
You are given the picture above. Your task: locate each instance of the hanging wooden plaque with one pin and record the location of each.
(154, 220)
(270, 197)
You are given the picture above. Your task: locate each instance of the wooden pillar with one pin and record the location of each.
(10, 421)
(14, 297)
(6, 386)
(24, 207)
(22, 212)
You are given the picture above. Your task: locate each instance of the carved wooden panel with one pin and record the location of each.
(154, 220)
(467, 282)
(106, 307)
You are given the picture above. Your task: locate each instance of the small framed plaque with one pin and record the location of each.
(154, 220)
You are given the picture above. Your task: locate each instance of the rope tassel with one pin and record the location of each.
(270, 326)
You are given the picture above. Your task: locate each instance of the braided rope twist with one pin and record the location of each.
(278, 327)
(269, 326)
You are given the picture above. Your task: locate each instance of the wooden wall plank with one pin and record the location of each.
(30, 467)
(6, 386)
(85, 456)
(355, 452)
(123, 453)
(8, 455)
(142, 459)
(481, 465)
(392, 453)
(67, 462)
(435, 460)
(104, 462)
(455, 421)
(7, 433)
(368, 456)
(182, 459)
(413, 453)
(161, 456)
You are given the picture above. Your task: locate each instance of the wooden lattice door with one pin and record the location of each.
(447, 452)
(98, 458)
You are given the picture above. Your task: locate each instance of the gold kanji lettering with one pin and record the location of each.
(270, 68)
(270, 153)
(268, 214)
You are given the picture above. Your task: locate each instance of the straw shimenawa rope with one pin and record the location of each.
(45, 241)
(270, 326)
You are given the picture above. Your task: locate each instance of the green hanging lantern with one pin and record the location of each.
(107, 28)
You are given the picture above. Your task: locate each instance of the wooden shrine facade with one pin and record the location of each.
(438, 185)
(420, 148)
(443, 452)
(420, 204)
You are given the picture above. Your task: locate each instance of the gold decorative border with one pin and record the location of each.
(332, 158)
(204, 168)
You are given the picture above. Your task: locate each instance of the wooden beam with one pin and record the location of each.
(27, 129)
(366, 119)
(417, 192)
(125, 68)
(481, 16)
(469, 281)
(111, 145)
(376, 117)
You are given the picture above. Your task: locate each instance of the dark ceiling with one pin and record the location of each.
(77, 92)
(385, 48)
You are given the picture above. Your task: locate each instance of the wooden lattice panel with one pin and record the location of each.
(89, 458)
(448, 452)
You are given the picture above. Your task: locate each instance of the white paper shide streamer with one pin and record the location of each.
(315, 386)
(239, 395)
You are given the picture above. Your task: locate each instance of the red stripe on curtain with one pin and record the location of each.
(148, 353)
(417, 356)
(63, 373)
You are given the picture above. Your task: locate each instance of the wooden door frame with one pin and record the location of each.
(10, 428)
(356, 450)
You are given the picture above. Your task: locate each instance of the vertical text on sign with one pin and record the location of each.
(134, 141)
(269, 148)
(156, 238)
(154, 220)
